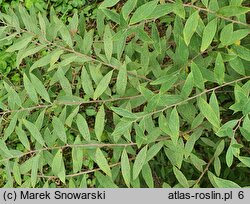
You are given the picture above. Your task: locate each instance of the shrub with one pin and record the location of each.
(146, 94)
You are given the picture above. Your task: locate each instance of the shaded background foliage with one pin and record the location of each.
(124, 93)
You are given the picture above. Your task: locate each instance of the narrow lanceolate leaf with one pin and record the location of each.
(102, 162)
(143, 12)
(4, 148)
(22, 137)
(58, 167)
(223, 183)
(226, 34)
(190, 27)
(219, 69)
(20, 43)
(208, 34)
(139, 162)
(34, 132)
(27, 52)
(99, 123)
(147, 175)
(174, 125)
(59, 129)
(121, 128)
(180, 177)
(103, 85)
(213, 102)
(77, 156)
(16, 173)
(152, 151)
(34, 170)
(197, 76)
(242, 52)
(124, 112)
(40, 89)
(83, 127)
(233, 10)
(30, 89)
(121, 82)
(209, 113)
(128, 8)
(86, 83)
(219, 148)
(125, 168)
(108, 43)
(105, 181)
(108, 3)
(245, 160)
(178, 9)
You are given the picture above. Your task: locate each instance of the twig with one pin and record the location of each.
(204, 171)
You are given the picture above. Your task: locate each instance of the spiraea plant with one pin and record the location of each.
(148, 93)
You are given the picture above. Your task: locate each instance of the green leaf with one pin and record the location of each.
(242, 52)
(208, 113)
(161, 10)
(219, 69)
(208, 34)
(21, 43)
(125, 168)
(58, 167)
(217, 166)
(108, 3)
(213, 102)
(5, 149)
(59, 129)
(219, 148)
(77, 156)
(100, 123)
(87, 42)
(86, 82)
(31, 50)
(226, 34)
(102, 162)
(238, 66)
(233, 10)
(128, 8)
(105, 181)
(103, 85)
(108, 43)
(34, 170)
(229, 156)
(174, 125)
(152, 151)
(34, 132)
(245, 160)
(197, 76)
(124, 112)
(121, 82)
(190, 27)
(30, 89)
(147, 175)
(121, 128)
(139, 162)
(180, 177)
(40, 89)
(226, 130)
(16, 173)
(179, 9)
(83, 127)
(22, 137)
(143, 12)
(188, 86)
(223, 183)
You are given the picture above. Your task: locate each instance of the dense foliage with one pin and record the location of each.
(136, 93)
